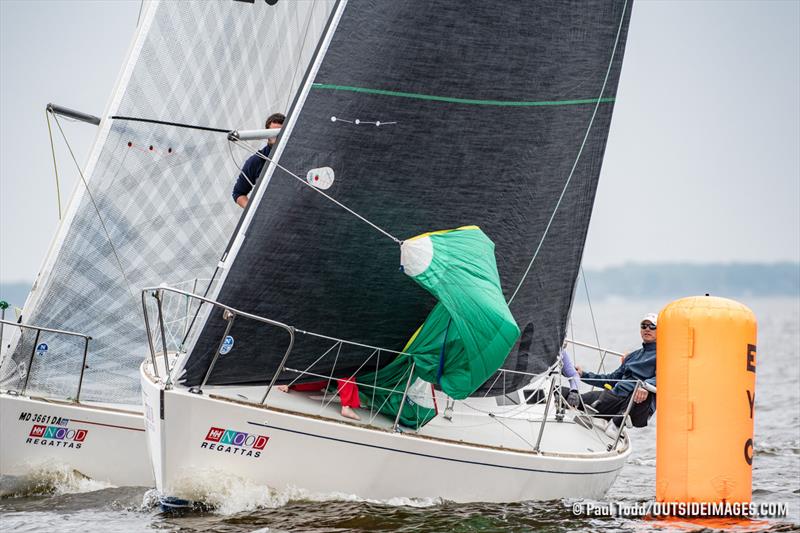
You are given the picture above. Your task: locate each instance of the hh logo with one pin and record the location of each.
(236, 438)
(37, 431)
(214, 434)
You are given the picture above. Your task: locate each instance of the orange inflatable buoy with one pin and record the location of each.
(706, 379)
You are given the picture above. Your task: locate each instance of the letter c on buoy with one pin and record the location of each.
(748, 451)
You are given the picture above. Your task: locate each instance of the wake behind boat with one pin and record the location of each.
(470, 140)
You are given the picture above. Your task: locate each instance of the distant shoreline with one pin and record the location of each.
(637, 280)
(674, 280)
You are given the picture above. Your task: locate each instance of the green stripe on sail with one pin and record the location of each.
(467, 101)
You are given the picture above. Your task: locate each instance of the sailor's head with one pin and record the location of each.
(648, 327)
(275, 120)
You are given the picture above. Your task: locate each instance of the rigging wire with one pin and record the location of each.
(572, 335)
(300, 54)
(577, 158)
(526, 441)
(574, 361)
(239, 168)
(249, 148)
(139, 16)
(55, 166)
(594, 322)
(591, 311)
(97, 210)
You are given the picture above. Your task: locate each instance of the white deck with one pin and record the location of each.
(513, 427)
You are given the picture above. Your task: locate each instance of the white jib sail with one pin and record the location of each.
(158, 206)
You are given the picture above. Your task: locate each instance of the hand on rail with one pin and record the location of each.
(640, 395)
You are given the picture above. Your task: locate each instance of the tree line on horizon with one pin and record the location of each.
(634, 280)
(637, 280)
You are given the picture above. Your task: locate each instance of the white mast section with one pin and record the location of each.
(253, 135)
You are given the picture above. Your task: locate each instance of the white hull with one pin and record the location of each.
(102, 443)
(323, 455)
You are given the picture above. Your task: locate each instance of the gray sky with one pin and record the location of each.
(702, 164)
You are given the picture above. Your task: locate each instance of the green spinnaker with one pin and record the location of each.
(465, 338)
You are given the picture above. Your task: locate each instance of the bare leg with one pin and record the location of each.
(283, 388)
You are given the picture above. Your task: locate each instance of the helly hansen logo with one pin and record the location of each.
(236, 438)
(214, 434)
(58, 433)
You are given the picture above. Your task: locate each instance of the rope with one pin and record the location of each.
(577, 158)
(97, 210)
(394, 390)
(326, 376)
(176, 124)
(496, 419)
(489, 389)
(55, 166)
(314, 363)
(357, 370)
(250, 149)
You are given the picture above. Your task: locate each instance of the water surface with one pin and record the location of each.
(73, 504)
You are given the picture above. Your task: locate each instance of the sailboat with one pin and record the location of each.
(153, 206)
(418, 231)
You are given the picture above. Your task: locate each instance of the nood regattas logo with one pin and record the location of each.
(235, 442)
(56, 436)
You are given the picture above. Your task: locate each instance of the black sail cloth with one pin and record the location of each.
(485, 108)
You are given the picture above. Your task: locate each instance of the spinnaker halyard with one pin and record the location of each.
(432, 119)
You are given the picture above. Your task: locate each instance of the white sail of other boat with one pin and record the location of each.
(153, 206)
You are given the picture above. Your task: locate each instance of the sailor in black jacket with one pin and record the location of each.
(251, 170)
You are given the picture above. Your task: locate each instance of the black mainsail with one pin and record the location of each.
(491, 113)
